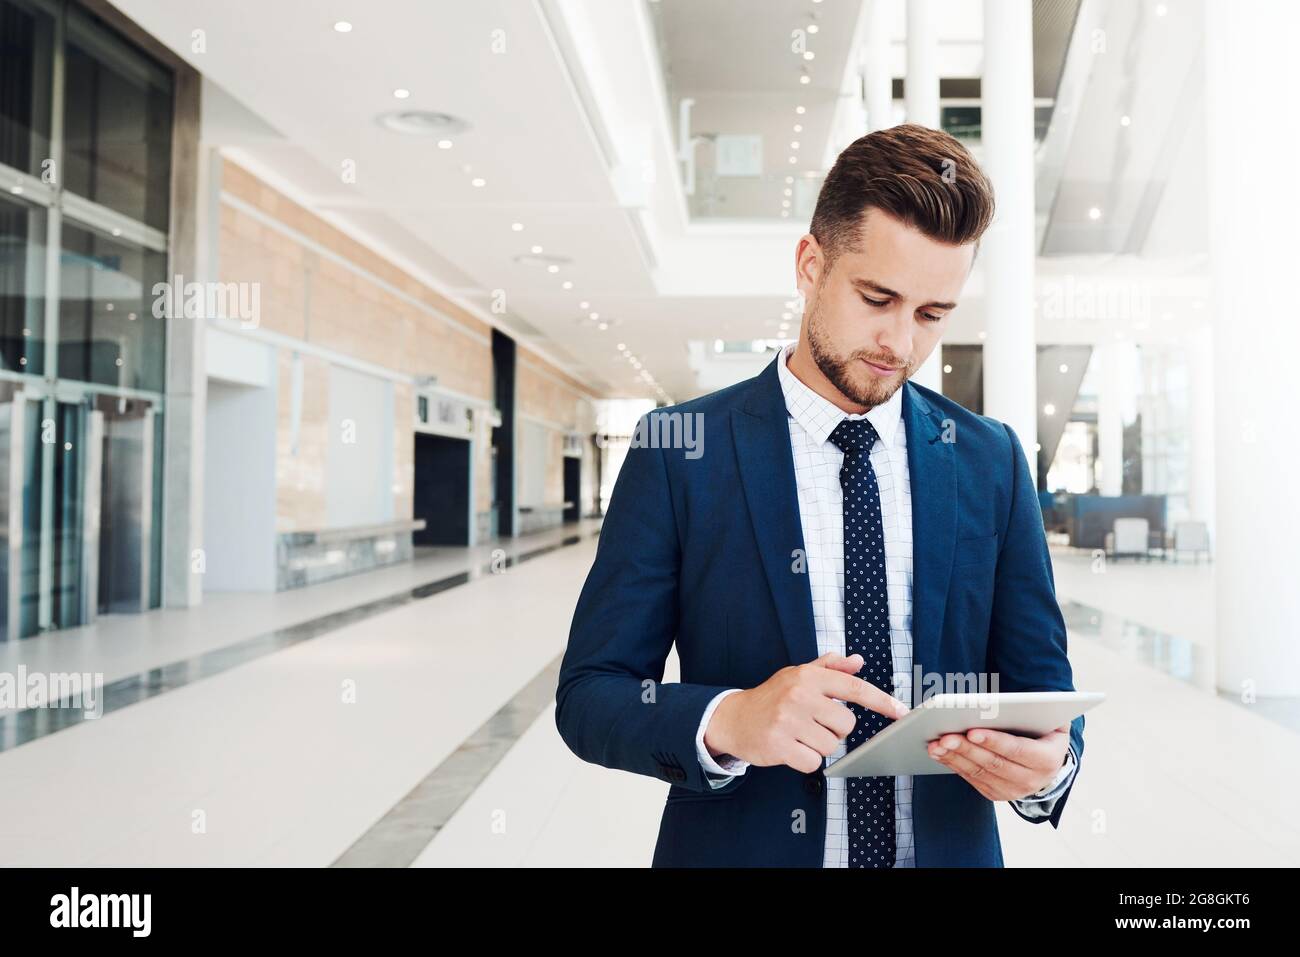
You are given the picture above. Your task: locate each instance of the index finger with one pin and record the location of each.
(860, 692)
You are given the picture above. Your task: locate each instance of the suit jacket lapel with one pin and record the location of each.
(932, 470)
(762, 438)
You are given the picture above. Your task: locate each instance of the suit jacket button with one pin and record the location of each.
(812, 783)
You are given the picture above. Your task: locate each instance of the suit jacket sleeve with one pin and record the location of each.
(1027, 640)
(612, 707)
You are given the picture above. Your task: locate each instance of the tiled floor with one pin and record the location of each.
(422, 732)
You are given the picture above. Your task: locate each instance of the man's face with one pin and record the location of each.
(878, 313)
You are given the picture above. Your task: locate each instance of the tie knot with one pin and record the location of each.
(854, 435)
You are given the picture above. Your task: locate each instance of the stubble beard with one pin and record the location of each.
(859, 385)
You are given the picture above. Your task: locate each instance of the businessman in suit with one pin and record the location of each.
(826, 543)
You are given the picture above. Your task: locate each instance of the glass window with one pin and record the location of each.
(22, 287)
(107, 330)
(117, 121)
(26, 42)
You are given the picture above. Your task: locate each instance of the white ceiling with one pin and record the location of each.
(574, 135)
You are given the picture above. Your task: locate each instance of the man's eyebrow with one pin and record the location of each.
(886, 291)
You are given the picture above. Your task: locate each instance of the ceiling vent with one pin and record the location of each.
(423, 123)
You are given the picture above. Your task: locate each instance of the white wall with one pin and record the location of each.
(532, 465)
(359, 461)
(239, 487)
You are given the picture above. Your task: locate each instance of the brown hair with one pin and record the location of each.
(920, 176)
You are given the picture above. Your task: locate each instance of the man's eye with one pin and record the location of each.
(875, 302)
(932, 318)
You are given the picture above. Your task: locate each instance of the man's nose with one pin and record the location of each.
(896, 336)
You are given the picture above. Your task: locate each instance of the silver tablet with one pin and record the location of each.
(901, 747)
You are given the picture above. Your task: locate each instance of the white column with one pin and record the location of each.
(921, 87)
(1111, 385)
(877, 72)
(1119, 381)
(1256, 323)
(1007, 252)
(921, 102)
(1200, 385)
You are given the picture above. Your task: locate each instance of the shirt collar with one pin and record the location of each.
(818, 416)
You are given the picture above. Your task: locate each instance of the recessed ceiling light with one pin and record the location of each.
(584, 305)
(518, 227)
(794, 144)
(478, 181)
(798, 127)
(1124, 121)
(809, 55)
(1094, 213)
(813, 28)
(800, 110)
(789, 179)
(794, 159)
(536, 249)
(552, 268)
(342, 26)
(401, 93)
(567, 284)
(947, 369)
(594, 316)
(444, 144)
(1064, 367)
(602, 326)
(805, 79)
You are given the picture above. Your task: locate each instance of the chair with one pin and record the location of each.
(1192, 537)
(1129, 536)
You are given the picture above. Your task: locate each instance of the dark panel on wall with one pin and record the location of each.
(504, 359)
(441, 492)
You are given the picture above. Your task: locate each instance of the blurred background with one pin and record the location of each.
(324, 327)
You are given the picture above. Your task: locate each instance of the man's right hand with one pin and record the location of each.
(795, 717)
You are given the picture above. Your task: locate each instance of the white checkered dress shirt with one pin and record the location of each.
(817, 464)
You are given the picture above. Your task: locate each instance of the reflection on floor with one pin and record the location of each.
(420, 730)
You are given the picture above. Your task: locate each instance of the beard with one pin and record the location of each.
(855, 382)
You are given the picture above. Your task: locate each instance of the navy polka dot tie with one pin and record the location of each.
(866, 632)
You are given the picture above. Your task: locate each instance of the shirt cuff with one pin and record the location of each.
(1042, 801)
(725, 767)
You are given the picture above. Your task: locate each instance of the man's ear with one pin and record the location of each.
(809, 261)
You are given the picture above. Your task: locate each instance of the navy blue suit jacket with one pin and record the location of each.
(703, 551)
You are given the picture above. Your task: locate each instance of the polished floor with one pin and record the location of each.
(405, 717)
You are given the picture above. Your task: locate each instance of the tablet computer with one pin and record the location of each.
(901, 747)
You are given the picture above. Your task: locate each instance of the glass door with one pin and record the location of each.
(21, 465)
(76, 452)
(126, 530)
(51, 453)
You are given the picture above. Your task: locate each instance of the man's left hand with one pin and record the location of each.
(1002, 766)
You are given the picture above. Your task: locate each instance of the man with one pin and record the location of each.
(837, 536)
